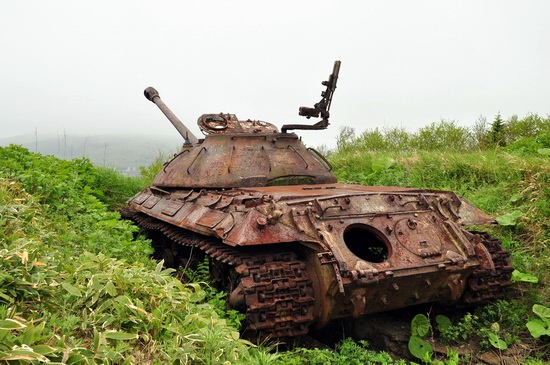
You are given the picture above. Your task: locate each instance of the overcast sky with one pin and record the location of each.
(80, 67)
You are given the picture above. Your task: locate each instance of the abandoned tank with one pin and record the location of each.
(292, 247)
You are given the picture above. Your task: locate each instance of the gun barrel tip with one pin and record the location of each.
(150, 93)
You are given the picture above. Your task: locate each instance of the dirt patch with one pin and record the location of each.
(391, 331)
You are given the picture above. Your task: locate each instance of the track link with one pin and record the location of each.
(485, 285)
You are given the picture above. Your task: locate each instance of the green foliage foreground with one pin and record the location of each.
(76, 287)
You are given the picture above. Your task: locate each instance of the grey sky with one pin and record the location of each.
(80, 67)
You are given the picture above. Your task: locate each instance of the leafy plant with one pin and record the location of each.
(509, 219)
(518, 276)
(540, 326)
(419, 348)
(494, 337)
(423, 350)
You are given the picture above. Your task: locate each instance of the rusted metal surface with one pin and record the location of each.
(367, 249)
(152, 95)
(297, 250)
(245, 159)
(315, 213)
(229, 123)
(278, 294)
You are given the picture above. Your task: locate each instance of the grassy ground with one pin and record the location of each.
(77, 286)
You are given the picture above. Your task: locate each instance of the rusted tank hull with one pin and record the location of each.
(301, 256)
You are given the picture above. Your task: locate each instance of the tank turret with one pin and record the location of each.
(243, 153)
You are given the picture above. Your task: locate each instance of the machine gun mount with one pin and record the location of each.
(321, 108)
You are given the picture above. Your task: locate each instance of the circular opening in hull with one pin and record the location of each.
(366, 243)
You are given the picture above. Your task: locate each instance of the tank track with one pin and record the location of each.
(485, 285)
(276, 286)
(279, 295)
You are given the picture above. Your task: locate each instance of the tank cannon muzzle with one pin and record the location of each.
(150, 93)
(153, 95)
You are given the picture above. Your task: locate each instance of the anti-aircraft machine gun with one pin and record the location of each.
(321, 108)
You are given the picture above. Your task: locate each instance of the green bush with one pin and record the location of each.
(77, 287)
(529, 134)
(348, 352)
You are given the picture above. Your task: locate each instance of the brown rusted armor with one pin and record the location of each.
(293, 248)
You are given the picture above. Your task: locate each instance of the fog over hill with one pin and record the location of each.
(126, 153)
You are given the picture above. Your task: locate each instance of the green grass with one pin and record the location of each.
(77, 287)
(77, 284)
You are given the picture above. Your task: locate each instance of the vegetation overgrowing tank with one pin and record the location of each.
(295, 249)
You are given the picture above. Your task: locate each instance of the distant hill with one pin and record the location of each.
(126, 153)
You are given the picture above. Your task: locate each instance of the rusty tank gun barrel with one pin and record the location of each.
(152, 94)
